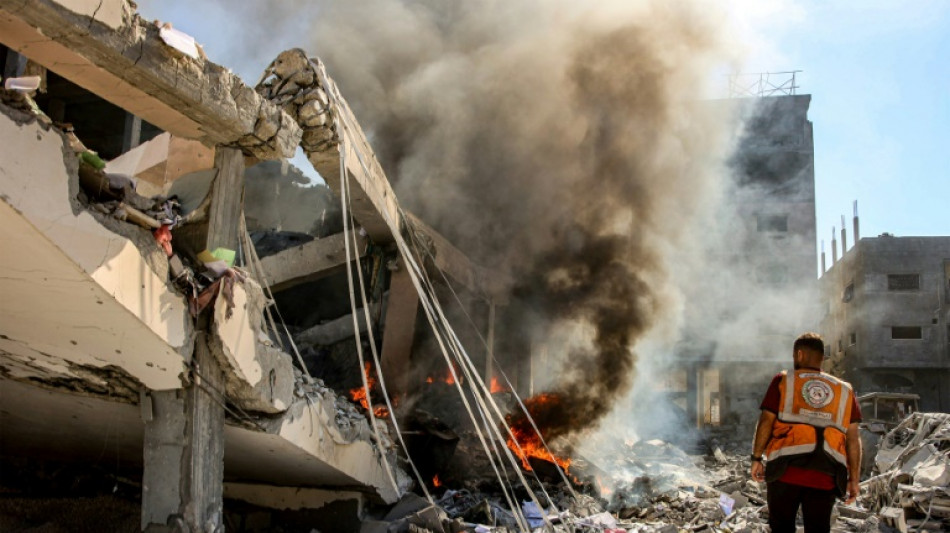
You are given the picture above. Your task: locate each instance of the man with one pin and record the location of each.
(807, 445)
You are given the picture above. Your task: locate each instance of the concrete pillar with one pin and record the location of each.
(183, 476)
(490, 344)
(692, 394)
(399, 331)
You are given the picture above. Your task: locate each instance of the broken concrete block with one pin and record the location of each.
(430, 518)
(258, 377)
(935, 472)
(894, 517)
(410, 503)
(374, 526)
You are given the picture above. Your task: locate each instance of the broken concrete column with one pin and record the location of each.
(259, 377)
(183, 475)
(400, 330)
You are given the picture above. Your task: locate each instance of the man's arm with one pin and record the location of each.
(763, 432)
(853, 450)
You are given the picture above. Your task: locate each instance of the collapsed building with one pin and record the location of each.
(152, 219)
(125, 320)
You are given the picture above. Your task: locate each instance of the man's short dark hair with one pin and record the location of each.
(811, 342)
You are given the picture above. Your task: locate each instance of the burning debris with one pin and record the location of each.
(527, 442)
(652, 486)
(358, 394)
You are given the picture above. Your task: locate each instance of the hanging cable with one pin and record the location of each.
(497, 365)
(356, 328)
(435, 316)
(427, 300)
(345, 194)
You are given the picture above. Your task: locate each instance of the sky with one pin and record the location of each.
(878, 72)
(879, 76)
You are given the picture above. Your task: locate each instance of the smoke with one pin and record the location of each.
(565, 145)
(568, 145)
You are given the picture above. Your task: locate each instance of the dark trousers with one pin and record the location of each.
(784, 500)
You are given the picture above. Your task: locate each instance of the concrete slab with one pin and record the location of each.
(76, 294)
(129, 65)
(308, 262)
(40, 422)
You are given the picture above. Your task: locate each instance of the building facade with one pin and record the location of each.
(759, 288)
(886, 322)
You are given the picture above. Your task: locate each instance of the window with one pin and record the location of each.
(903, 282)
(852, 339)
(906, 332)
(848, 293)
(771, 223)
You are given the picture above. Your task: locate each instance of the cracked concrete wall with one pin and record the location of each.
(291, 498)
(76, 292)
(112, 13)
(312, 424)
(129, 65)
(259, 377)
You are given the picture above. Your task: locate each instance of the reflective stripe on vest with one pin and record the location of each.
(823, 416)
(811, 402)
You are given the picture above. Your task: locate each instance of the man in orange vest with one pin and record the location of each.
(807, 446)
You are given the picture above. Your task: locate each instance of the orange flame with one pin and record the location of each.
(496, 386)
(436, 482)
(529, 440)
(448, 379)
(359, 394)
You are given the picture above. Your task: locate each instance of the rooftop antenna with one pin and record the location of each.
(761, 84)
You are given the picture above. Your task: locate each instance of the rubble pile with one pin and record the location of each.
(678, 492)
(910, 490)
(297, 84)
(654, 487)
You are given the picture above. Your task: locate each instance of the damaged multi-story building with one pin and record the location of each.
(760, 289)
(885, 317)
(127, 164)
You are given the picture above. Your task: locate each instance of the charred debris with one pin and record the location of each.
(254, 351)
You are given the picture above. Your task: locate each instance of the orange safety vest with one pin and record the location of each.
(814, 408)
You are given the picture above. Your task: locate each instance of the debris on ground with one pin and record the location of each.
(661, 489)
(910, 489)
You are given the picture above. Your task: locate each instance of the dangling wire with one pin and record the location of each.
(345, 196)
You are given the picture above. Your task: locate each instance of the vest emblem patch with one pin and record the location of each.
(817, 393)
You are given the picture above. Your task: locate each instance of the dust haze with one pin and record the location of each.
(571, 146)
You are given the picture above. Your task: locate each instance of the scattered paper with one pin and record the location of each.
(726, 504)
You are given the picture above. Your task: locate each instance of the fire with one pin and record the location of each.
(528, 439)
(359, 394)
(496, 386)
(448, 379)
(436, 482)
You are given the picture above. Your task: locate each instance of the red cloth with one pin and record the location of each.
(794, 474)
